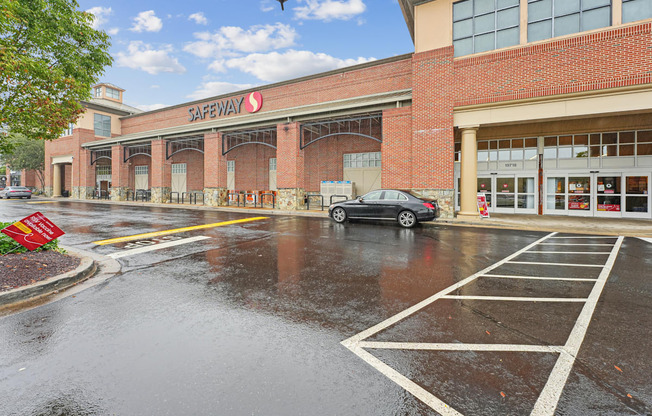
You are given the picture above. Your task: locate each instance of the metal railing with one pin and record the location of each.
(100, 194)
(339, 196)
(172, 193)
(192, 197)
(314, 196)
(262, 199)
(244, 202)
(143, 195)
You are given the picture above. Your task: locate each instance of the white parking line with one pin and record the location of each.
(570, 279)
(606, 253)
(615, 237)
(538, 263)
(577, 244)
(146, 249)
(549, 397)
(428, 346)
(513, 298)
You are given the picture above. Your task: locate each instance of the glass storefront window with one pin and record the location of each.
(637, 204)
(636, 185)
(579, 185)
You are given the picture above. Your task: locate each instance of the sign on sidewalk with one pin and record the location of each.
(483, 207)
(33, 231)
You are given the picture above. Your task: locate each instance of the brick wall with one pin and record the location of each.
(194, 169)
(324, 159)
(397, 148)
(606, 59)
(386, 77)
(251, 166)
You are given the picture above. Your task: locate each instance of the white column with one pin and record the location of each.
(56, 180)
(469, 174)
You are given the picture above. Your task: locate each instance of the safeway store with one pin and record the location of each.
(545, 107)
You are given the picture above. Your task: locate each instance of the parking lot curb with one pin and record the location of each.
(87, 267)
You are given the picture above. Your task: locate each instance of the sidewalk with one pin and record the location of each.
(565, 224)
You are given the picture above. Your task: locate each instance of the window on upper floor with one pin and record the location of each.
(68, 131)
(634, 10)
(551, 18)
(112, 93)
(484, 25)
(98, 92)
(102, 125)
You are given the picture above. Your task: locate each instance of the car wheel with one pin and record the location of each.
(29, 197)
(339, 215)
(407, 219)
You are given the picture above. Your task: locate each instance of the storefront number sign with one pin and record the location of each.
(483, 207)
(33, 231)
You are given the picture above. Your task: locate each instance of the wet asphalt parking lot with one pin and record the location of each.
(301, 316)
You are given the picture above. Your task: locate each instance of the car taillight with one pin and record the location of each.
(428, 205)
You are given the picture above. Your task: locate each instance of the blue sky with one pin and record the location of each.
(169, 52)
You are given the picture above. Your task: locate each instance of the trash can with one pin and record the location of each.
(65, 194)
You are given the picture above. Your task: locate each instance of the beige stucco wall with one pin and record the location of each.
(433, 25)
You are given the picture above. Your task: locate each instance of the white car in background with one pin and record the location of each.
(16, 192)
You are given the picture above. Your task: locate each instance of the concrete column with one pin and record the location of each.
(469, 174)
(56, 180)
(215, 192)
(8, 175)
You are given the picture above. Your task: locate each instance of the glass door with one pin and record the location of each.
(579, 195)
(505, 191)
(637, 196)
(608, 196)
(485, 187)
(526, 190)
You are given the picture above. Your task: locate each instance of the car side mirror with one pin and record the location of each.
(359, 199)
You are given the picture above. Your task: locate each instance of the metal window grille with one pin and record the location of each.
(100, 154)
(519, 149)
(175, 146)
(231, 140)
(369, 126)
(103, 173)
(552, 18)
(484, 25)
(230, 165)
(138, 149)
(272, 163)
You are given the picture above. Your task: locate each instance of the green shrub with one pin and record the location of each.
(9, 245)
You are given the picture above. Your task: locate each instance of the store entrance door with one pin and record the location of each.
(509, 193)
(595, 195)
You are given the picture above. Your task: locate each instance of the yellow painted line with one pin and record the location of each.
(43, 202)
(174, 231)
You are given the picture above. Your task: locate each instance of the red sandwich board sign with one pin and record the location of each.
(483, 207)
(33, 231)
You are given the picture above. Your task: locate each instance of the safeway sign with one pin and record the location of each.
(33, 231)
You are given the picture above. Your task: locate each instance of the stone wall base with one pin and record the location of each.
(445, 198)
(119, 193)
(161, 195)
(215, 197)
(291, 199)
(82, 192)
(47, 191)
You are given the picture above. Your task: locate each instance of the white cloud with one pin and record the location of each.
(198, 18)
(100, 15)
(329, 9)
(141, 56)
(147, 21)
(218, 66)
(113, 31)
(155, 86)
(229, 40)
(267, 6)
(274, 66)
(213, 88)
(151, 107)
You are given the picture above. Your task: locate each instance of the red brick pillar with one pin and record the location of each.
(433, 87)
(396, 149)
(85, 185)
(161, 173)
(215, 192)
(289, 167)
(119, 174)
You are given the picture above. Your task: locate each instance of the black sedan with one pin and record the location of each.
(406, 207)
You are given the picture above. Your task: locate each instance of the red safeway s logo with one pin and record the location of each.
(254, 102)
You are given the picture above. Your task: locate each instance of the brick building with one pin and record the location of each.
(543, 106)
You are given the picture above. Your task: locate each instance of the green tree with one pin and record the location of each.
(27, 153)
(50, 57)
